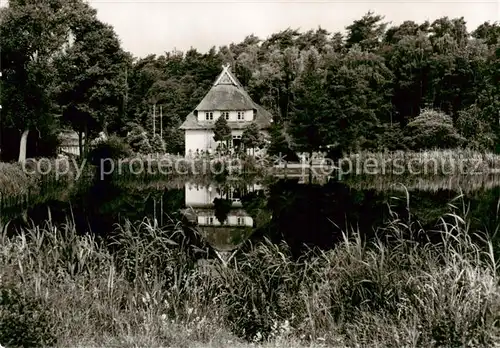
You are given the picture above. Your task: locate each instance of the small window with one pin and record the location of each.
(210, 220)
(226, 115)
(241, 115)
(241, 221)
(209, 116)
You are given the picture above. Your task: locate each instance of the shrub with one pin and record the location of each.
(472, 125)
(432, 129)
(113, 148)
(24, 321)
(157, 144)
(138, 140)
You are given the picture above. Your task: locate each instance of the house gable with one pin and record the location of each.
(227, 95)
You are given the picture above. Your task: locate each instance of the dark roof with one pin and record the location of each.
(227, 93)
(226, 97)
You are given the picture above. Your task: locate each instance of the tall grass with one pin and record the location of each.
(20, 179)
(466, 183)
(156, 287)
(430, 162)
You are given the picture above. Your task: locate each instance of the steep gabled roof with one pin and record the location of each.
(227, 94)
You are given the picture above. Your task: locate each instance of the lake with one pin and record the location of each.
(229, 212)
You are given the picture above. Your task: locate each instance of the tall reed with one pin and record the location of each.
(157, 287)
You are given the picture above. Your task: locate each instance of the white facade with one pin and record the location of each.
(203, 140)
(232, 116)
(196, 196)
(199, 139)
(232, 220)
(202, 199)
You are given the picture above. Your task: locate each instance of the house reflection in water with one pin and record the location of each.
(220, 216)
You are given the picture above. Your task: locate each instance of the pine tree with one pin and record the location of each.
(222, 131)
(252, 137)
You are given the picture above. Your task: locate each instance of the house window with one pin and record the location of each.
(241, 115)
(209, 116)
(210, 220)
(241, 221)
(226, 115)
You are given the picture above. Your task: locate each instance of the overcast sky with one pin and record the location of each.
(156, 26)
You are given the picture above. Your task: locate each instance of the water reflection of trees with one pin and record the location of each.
(303, 215)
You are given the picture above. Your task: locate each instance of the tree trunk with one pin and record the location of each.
(86, 141)
(310, 166)
(22, 146)
(80, 143)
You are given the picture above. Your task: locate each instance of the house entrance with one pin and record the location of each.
(237, 142)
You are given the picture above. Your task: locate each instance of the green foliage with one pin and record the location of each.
(252, 137)
(311, 120)
(390, 137)
(222, 208)
(358, 87)
(138, 139)
(24, 321)
(69, 64)
(113, 148)
(472, 126)
(280, 143)
(366, 32)
(157, 144)
(92, 72)
(222, 131)
(175, 141)
(432, 129)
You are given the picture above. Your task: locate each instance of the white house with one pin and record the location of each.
(69, 143)
(226, 235)
(227, 98)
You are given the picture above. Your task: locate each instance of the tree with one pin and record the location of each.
(138, 139)
(366, 32)
(34, 34)
(93, 78)
(281, 143)
(359, 91)
(222, 131)
(311, 121)
(222, 207)
(472, 125)
(432, 129)
(488, 32)
(157, 144)
(408, 60)
(252, 137)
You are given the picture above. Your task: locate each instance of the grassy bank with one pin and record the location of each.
(154, 289)
(18, 179)
(457, 183)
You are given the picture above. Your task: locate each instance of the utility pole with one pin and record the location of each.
(161, 122)
(1, 128)
(154, 119)
(125, 100)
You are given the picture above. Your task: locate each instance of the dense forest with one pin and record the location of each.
(372, 87)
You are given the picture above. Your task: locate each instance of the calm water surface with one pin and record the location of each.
(229, 213)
